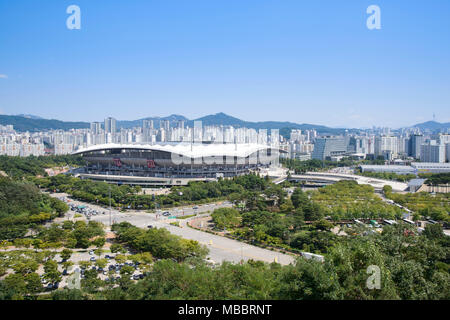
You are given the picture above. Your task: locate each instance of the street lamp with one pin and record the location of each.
(109, 206)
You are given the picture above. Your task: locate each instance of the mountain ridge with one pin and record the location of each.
(33, 123)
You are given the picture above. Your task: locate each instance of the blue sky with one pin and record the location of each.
(302, 61)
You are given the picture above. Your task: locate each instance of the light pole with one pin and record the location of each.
(242, 253)
(110, 207)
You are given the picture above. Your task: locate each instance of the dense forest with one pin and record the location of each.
(388, 176)
(437, 179)
(22, 205)
(411, 267)
(20, 167)
(302, 166)
(126, 196)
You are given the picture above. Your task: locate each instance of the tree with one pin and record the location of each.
(309, 280)
(323, 225)
(433, 231)
(99, 242)
(98, 252)
(126, 271)
(120, 258)
(387, 189)
(299, 198)
(226, 218)
(67, 264)
(101, 263)
(85, 264)
(91, 282)
(115, 247)
(17, 282)
(66, 254)
(33, 283)
(51, 273)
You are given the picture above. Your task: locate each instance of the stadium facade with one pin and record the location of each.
(173, 163)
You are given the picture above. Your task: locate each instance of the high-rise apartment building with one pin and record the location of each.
(386, 146)
(110, 125)
(148, 124)
(432, 152)
(415, 141)
(96, 127)
(328, 147)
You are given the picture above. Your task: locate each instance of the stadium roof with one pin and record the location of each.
(194, 150)
(386, 167)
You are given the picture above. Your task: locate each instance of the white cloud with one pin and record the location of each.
(3, 76)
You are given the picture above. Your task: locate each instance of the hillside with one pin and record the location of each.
(224, 119)
(21, 205)
(34, 124)
(433, 126)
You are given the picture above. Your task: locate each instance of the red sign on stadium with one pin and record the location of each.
(117, 162)
(150, 163)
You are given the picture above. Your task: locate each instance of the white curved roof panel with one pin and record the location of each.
(193, 150)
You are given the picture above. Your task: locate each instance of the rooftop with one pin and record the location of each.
(192, 150)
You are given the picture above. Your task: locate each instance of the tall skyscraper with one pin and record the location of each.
(110, 125)
(148, 124)
(415, 141)
(96, 127)
(164, 124)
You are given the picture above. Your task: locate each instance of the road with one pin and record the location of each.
(332, 177)
(220, 248)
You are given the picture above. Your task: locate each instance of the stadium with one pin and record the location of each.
(172, 163)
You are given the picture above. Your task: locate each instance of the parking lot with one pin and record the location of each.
(220, 248)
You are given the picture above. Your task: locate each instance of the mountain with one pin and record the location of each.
(433, 126)
(221, 119)
(227, 120)
(224, 119)
(30, 116)
(32, 124)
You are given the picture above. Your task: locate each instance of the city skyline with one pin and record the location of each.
(274, 61)
(186, 119)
